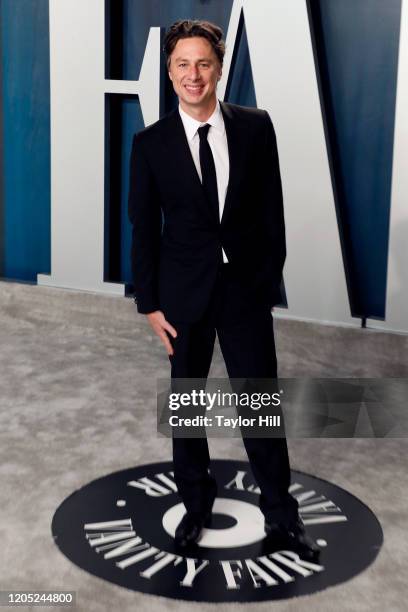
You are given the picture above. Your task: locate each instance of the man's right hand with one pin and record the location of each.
(160, 327)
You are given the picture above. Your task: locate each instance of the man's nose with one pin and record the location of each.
(194, 73)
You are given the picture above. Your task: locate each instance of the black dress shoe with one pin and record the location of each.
(293, 537)
(189, 529)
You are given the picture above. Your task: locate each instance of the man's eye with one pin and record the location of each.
(182, 65)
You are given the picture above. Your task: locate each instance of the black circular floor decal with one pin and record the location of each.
(121, 527)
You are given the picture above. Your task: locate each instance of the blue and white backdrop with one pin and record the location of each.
(79, 77)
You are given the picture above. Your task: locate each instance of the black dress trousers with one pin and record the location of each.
(246, 337)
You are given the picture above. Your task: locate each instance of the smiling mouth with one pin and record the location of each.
(194, 89)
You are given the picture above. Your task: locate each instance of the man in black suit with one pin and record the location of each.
(208, 248)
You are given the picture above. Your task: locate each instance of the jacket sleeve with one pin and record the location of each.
(273, 199)
(146, 219)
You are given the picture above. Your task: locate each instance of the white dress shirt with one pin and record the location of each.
(217, 139)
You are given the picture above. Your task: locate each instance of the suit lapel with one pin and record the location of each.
(175, 140)
(236, 153)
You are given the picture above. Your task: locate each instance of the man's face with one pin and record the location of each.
(194, 71)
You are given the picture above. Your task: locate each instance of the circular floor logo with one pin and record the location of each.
(121, 528)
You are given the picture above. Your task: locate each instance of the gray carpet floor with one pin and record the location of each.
(78, 378)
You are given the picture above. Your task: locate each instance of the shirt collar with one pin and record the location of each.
(191, 125)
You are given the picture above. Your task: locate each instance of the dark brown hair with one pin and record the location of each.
(187, 28)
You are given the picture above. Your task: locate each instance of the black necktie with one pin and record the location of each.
(208, 174)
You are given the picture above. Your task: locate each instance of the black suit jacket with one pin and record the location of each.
(177, 240)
